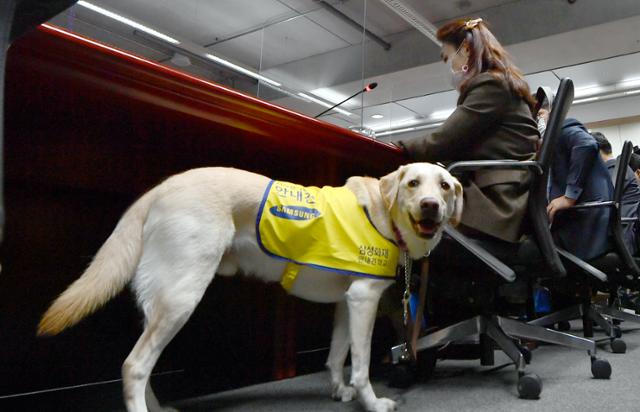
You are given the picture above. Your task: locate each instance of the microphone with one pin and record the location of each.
(367, 88)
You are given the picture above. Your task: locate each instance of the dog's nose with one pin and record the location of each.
(429, 205)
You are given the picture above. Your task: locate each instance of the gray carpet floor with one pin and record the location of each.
(463, 386)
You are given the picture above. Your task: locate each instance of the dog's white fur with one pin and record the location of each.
(173, 240)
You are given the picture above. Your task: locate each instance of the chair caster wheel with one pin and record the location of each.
(529, 386)
(526, 352)
(618, 346)
(563, 326)
(402, 375)
(617, 332)
(600, 368)
(425, 364)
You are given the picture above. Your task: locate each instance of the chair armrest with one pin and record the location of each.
(582, 265)
(494, 264)
(592, 205)
(471, 165)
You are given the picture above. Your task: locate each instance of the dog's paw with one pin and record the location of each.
(343, 393)
(383, 405)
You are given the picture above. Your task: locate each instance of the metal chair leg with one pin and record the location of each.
(617, 314)
(572, 312)
(534, 332)
(451, 333)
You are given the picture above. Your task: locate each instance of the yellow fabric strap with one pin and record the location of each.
(289, 276)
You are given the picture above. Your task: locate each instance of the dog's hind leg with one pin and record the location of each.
(175, 269)
(153, 404)
(362, 299)
(338, 354)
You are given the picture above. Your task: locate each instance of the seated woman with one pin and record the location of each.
(493, 120)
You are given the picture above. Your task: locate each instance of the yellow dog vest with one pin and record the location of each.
(324, 228)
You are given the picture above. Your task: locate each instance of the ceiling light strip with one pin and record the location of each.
(127, 21)
(414, 18)
(241, 69)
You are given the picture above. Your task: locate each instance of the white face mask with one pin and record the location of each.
(457, 76)
(542, 125)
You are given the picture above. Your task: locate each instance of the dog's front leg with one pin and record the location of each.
(338, 354)
(362, 300)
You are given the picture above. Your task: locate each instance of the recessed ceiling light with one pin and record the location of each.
(377, 116)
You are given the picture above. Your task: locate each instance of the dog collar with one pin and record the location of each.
(401, 243)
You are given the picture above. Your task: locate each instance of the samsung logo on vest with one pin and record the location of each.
(294, 212)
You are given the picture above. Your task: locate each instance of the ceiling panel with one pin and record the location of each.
(437, 103)
(281, 43)
(394, 116)
(301, 6)
(336, 26)
(605, 72)
(244, 49)
(201, 21)
(542, 79)
(379, 18)
(438, 10)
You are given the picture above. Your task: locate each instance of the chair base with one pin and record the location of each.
(590, 314)
(502, 331)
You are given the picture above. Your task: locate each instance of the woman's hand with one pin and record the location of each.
(557, 204)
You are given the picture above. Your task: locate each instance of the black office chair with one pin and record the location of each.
(529, 261)
(620, 265)
(607, 273)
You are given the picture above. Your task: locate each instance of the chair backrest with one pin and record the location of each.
(616, 217)
(538, 218)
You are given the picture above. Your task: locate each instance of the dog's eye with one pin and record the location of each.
(445, 185)
(413, 183)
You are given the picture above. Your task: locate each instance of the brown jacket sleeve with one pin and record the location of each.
(480, 108)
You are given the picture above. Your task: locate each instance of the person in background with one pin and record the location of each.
(578, 175)
(634, 164)
(630, 194)
(493, 120)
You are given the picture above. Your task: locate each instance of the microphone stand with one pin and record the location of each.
(366, 89)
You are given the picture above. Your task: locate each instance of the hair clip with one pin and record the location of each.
(470, 24)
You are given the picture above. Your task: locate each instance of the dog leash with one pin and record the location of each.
(412, 332)
(406, 296)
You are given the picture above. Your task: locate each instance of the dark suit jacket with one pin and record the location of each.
(489, 123)
(578, 172)
(630, 203)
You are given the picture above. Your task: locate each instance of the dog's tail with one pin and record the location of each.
(111, 269)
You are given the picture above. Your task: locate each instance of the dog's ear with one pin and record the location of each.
(389, 185)
(455, 218)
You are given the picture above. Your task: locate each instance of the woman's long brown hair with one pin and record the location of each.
(486, 54)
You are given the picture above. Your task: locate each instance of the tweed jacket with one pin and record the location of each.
(489, 123)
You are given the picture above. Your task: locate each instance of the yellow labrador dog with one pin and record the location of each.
(173, 240)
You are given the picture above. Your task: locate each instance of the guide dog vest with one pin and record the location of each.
(324, 228)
